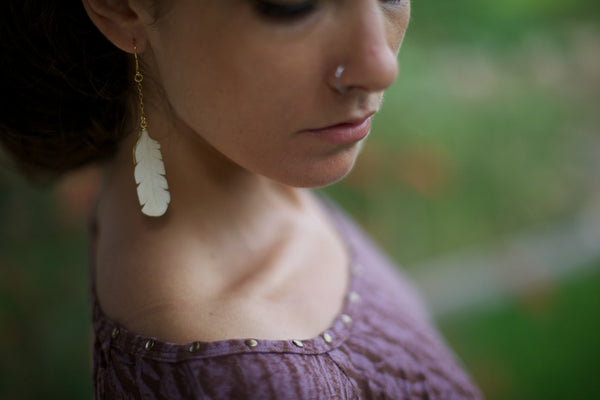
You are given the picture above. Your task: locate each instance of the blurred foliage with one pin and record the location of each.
(491, 127)
(44, 313)
(544, 345)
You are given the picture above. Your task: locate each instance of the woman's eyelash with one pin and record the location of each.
(289, 11)
(283, 10)
(394, 2)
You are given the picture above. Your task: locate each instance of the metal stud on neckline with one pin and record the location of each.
(194, 347)
(149, 344)
(115, 333)
(356, 268)
(346, 318)
(354, 297)
(251, 343)
(327, 338)
(298, 343)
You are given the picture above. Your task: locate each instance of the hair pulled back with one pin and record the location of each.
(66, 88)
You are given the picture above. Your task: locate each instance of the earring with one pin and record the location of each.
(339, 71)
(152, 188)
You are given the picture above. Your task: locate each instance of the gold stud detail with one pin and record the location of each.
(194, 347)
(346, 318)
(356, 268)
(251, 343)
(115, 333)
(298, 343)
(327, 338)
(354, 297)
(149, 344)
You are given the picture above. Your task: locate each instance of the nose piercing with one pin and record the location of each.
(337, 79)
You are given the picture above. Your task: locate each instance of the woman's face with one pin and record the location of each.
(256, 79)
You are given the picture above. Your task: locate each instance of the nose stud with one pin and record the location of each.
(339, 71)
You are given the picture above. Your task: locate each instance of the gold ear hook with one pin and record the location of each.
(138, 78)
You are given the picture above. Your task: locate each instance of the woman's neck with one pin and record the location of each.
(230, 241)
(209, 194)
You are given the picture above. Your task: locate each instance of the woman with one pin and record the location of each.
(214, 275)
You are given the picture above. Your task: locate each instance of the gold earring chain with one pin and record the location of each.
(138, 78)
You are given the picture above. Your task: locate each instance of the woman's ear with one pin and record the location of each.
(119, 22)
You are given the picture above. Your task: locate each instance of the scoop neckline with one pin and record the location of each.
(112, 335)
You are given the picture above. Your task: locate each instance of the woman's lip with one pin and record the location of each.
(344, 133)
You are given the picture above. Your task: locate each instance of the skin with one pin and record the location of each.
(243, 251)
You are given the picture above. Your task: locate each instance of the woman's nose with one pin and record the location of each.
(368, 48)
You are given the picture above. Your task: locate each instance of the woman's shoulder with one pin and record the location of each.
(391, 324)
(379, 272)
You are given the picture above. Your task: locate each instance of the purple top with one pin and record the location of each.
(380, 346)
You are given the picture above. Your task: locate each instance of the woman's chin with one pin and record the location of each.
(317, 174)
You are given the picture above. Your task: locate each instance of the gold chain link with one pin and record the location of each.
(138, 78)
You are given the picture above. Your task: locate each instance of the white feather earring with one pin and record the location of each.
(152, 188)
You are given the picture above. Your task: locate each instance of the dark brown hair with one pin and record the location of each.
(66, 88)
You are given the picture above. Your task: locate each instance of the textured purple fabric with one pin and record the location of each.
(380, 346)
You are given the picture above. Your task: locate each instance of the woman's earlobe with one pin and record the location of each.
(118, 22)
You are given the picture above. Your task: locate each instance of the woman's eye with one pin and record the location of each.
(284, 10)
(394, 2)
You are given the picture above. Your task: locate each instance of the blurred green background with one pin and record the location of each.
(481, 177)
